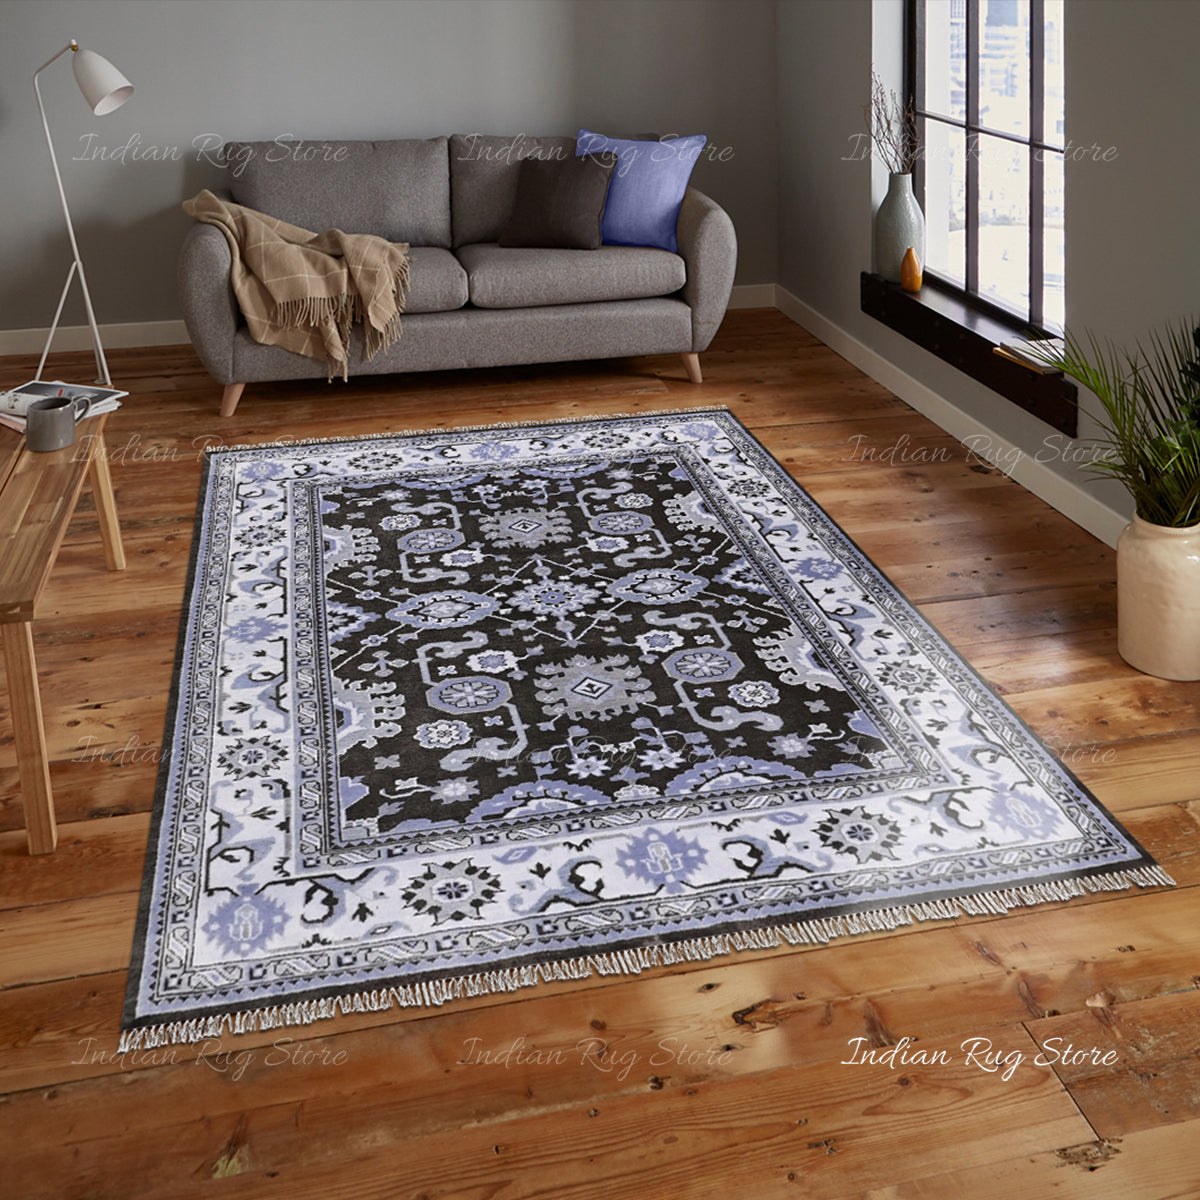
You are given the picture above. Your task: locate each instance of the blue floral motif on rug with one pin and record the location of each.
(460, 711)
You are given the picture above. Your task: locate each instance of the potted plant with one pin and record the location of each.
(899, 222)
(1150, 438)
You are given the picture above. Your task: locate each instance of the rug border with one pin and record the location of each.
(584, 963)
(149, 867)
(1148, 858)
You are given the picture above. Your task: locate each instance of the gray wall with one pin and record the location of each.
(1133, 230)
(261, 69)
(1133, 224)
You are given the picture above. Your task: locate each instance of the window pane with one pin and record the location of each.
(1053, 292)
(946, 58)
(1053, 131)
(945, 200)
(1004, 223)
(1004, 36)
(1004, 65)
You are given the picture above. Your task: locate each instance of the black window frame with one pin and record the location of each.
(955, 322)
(972, 128)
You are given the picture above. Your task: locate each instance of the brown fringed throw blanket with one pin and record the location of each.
(302, 290)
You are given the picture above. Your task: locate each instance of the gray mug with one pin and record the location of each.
(50, 423)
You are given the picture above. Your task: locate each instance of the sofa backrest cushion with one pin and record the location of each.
(484, 169)
(398, 190)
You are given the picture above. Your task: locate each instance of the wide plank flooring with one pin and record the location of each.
(1054, 1052)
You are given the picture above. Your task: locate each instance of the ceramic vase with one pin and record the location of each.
(1158, 599)
(899, 224)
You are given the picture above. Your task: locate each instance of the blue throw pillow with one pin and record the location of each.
(647, 187)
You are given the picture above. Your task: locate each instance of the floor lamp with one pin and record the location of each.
(105, 89)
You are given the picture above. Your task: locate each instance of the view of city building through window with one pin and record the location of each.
(987, 87)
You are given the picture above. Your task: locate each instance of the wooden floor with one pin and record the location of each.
(736, 1077)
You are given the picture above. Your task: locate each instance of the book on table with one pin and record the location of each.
(15, 404)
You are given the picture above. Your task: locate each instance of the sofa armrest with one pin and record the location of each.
(210, 310)
(708, 245)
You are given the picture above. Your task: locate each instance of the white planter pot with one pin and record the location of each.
(1158, 599)
(899, 224)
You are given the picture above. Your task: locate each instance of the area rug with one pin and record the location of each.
(460, 711)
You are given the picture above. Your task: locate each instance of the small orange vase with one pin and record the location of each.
(910, 271)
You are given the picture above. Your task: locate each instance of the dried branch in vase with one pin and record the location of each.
(893, 128)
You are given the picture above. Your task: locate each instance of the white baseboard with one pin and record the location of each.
(79, 337)
(1061, 494)
(753, 295)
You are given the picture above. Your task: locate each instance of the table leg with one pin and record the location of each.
(32, 760)
(106, 507)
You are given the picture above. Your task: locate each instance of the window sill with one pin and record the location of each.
(945, 325)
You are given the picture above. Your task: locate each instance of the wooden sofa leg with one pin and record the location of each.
(230, 398)
(691, 364)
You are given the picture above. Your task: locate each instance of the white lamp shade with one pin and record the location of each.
(103, 86)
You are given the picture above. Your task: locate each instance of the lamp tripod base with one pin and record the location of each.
(103, 377)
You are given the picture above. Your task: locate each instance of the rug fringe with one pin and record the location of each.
(530, 424)
(815, 931)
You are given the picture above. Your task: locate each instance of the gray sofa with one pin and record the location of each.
(471, 302)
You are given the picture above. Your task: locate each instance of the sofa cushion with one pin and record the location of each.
(511, 277)
(436, 281)
(559, 203)
(484, 169)
(399, 190)
(647, 187)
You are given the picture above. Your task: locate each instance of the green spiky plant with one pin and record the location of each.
(1150, 424)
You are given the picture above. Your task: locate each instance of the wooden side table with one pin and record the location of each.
(38, 493)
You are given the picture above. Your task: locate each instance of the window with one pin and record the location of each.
(985, 78)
